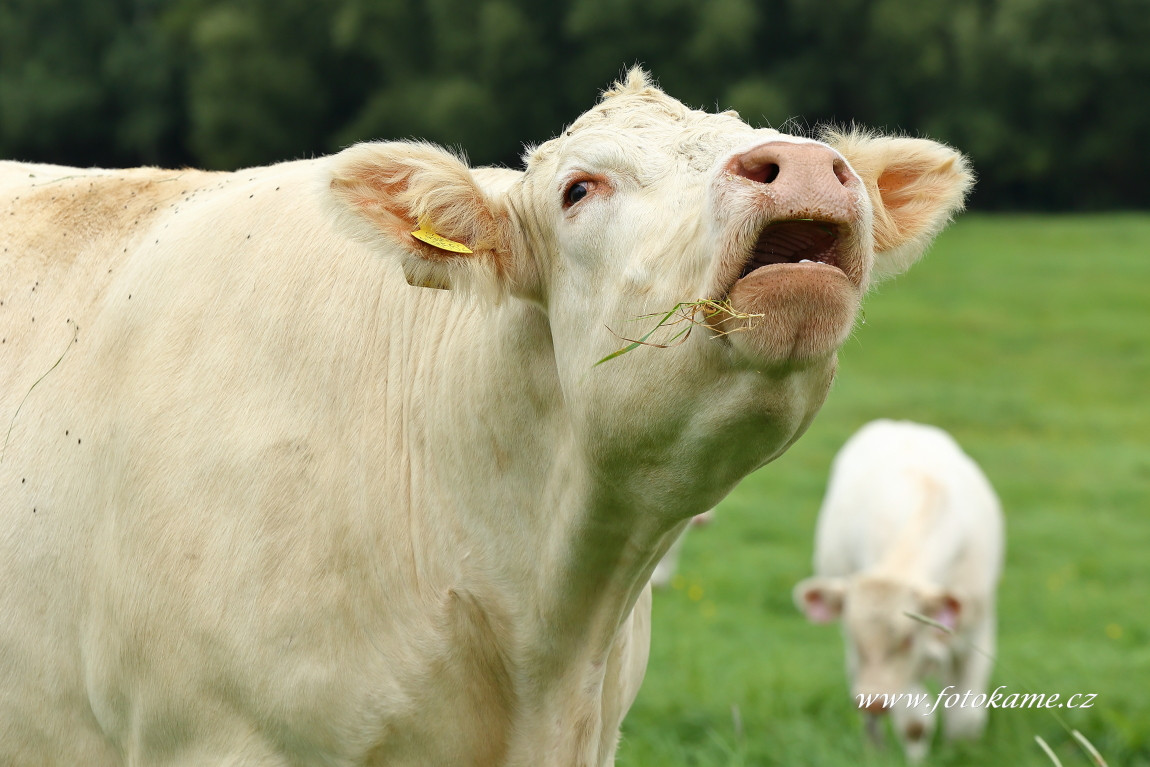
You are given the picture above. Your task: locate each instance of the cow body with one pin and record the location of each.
(909, 526)
(272, 496)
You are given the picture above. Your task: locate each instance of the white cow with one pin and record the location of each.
(269, 500)
(910, 526)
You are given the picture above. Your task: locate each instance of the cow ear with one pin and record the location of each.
(915, 187)
(820, 599)
(419, 201)
(942, 607)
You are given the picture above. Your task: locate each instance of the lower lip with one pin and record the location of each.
(790, 312)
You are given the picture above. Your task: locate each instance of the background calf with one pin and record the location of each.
(909, 525)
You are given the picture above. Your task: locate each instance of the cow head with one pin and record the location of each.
(896, 632)
(642, 205)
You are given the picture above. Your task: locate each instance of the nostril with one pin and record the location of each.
(757, 170)
(761, 165)
(842, 172)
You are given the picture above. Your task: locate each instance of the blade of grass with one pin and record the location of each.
(641, 341)
(1090, 749)
(1048, 750)
(709, 307)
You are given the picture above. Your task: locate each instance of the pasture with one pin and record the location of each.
(1028, 338)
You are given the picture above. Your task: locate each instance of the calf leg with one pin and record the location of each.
(914, 726)
(973, 663)
(873, 725)
(665, 570)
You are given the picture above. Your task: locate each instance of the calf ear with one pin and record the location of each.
(423, 203)
(820, 599)
(942, 607)
(915, 186)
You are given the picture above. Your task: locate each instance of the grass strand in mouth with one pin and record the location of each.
(680, 313)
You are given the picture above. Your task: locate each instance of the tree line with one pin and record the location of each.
(1048, 97)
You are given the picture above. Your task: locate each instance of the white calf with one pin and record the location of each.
(909, 527)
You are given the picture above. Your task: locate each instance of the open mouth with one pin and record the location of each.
(796, 292)
(795, 242)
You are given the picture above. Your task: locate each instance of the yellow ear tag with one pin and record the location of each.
(428, 235)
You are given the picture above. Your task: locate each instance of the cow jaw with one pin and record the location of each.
(796, 292)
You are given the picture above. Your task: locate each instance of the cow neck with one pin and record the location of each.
(561, 558)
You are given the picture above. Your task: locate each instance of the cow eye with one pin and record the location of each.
(576, 192)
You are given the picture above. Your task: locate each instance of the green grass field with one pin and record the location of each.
(1028, 338)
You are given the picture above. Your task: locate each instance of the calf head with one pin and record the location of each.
(896, 633)
(642, 205)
